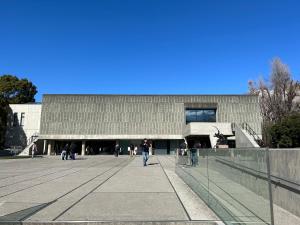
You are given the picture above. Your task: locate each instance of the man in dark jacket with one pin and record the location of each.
(117, 150)
(72, 150)
(145, 151)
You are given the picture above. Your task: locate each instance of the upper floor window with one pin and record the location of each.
(200, 115)
(22, 119)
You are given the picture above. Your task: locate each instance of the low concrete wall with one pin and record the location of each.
(284, 168)
(285, 164)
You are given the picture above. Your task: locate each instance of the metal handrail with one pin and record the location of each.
(255, 136)
(277, 181)
(32, 138)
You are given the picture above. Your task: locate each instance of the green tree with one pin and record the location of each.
(3, 119)
(17, 91)
(13, 91)
(278, 99)
(286, 133)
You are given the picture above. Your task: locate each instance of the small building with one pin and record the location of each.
(97, 122)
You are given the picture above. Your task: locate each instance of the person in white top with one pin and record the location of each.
(33, 149)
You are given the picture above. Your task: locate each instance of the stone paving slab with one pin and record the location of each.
(101, 188)
(145, 179)
(127, 207)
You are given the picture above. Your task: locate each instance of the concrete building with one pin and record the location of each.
(23, 124)
(97, 122)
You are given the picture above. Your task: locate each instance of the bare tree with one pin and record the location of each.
(276, 97)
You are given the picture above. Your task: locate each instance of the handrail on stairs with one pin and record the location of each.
(32, 138)
(255, 136)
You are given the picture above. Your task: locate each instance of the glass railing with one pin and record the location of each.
(234, 183)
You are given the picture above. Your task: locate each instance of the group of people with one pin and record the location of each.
(183, 148)
(133, 149)
(68, 151)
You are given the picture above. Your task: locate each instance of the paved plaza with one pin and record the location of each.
(98, 188)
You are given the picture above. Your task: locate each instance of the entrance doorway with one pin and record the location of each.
(96, 147)
(203, 139)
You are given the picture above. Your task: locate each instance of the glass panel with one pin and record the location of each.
(191, 115)
(200, 115)
(232, 182)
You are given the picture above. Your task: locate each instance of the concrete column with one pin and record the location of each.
(83, 148)
(49, 147)
(44, 148)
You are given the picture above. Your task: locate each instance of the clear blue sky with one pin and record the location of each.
(147, 46)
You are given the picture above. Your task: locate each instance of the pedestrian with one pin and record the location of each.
(33, 149)
(64, 152)
(67, 152)
(182, 148)
(135, 150)
(117, 150)
(194, 150)
(72, 150)
(87, 150)
(131, 149)
(145, 151)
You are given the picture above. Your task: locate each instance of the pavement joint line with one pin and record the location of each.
(102, 173)
(29, 172)
(34, 178)
(52, 179)
(71, 167)
(190, 219)
(101, 183)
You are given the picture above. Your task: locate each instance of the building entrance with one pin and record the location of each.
(100, 147)
(202, 139)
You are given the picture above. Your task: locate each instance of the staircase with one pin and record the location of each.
(251, 132)
(30, 141)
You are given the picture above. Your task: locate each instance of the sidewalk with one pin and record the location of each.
(97, 188)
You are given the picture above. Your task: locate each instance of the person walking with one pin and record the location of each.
(182, 148)
(131, 149)
(67, 152)
(194, 150)
(72, 150)
(33, 149)
(117, 150)
(135, 150)
(145, 151)
(64, 152)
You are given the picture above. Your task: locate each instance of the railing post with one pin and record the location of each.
(270, 186)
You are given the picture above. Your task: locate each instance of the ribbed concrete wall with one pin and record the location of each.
(137, 114)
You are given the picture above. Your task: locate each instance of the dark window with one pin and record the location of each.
(15, 120)
(200, 115)
(22, 119)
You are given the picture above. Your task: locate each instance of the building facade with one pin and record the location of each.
(23, 124)
(164, 119)
(97, 122)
